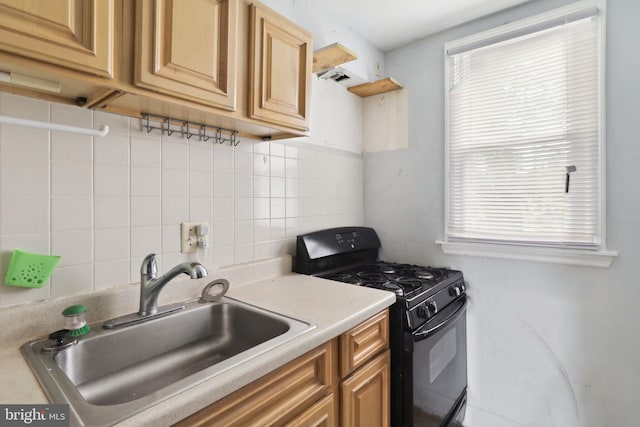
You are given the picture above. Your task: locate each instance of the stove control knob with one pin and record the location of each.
(456, 290)
(422, 312)
(432, 307)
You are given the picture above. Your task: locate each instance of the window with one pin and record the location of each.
(524, 139)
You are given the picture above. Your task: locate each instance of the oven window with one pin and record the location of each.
(439, 373)
(442, 354)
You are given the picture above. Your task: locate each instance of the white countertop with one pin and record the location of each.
(333, 307)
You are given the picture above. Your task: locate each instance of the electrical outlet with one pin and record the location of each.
(193, 235)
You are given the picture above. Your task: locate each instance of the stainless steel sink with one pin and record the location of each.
(111, 374)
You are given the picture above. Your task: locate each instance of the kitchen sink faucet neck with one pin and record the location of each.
(151, 284)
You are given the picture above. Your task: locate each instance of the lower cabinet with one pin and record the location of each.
(313, 390)
(365, 395)
(322, 414)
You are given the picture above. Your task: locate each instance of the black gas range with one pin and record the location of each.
(422, 290)
(427, 322)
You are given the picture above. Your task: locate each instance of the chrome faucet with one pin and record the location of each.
(150, 287)
(151, 284)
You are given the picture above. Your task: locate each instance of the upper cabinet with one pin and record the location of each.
(231, 64)
(74, 34)
(188, 51)
(280, 64)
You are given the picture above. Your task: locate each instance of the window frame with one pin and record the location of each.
(597, 257)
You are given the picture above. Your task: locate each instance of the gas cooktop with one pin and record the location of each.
(406, 280)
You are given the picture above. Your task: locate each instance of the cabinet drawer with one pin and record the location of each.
(363, 342)
(276, 398)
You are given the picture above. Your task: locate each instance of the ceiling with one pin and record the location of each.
(390, 24)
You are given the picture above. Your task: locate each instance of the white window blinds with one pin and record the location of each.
(523, 139)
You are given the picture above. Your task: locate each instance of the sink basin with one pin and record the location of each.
(111, 374)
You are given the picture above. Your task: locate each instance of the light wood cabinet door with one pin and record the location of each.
(280, 63)
(188, 49)
(75, 34)
(277, 398)
(365, 395)
(322, 414)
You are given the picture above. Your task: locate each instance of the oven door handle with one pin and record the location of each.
(428, 329)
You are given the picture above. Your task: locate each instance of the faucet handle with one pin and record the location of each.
(149, 267)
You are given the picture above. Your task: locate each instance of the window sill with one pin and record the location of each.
(600, 258)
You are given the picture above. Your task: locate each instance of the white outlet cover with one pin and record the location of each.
(189, 236)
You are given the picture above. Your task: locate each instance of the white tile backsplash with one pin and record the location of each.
(174, 210)
(24, 176)
(30, 142)
(277, 207)
(112, 149)
(111, 212)
(147, 240)
(113, 273)
(111, 244)
(261, 250)
(22, 215)
(277, 149)
(243, 232)
(261, 230)
(105, 203)
(72, 213)
(278, 187)
(146, 211)
(222, 159)
(244, 253)
(72, 280)
(175, 182)
(222, 185)
(243, 163)
(110, 180)
(74, 247)
(261, 208)
(261, 186)
(146, 181)
(200, 156)
(223, 209)
(243, 210)
(71, 178)
(243, 186)
(277, 166)
(200, 183)
(145, 152)
(223, 234)
(261, 165)
(175, 155)
(71, 147)
(200, 209)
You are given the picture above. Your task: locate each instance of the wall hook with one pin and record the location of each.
(168, 128)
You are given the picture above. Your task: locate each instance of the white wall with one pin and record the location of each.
(549, 345)
(105, 203)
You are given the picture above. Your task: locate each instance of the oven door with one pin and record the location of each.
(440, 367)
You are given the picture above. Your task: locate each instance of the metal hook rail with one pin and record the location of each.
(189, 129)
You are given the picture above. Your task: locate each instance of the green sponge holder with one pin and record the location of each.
(30, 270)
